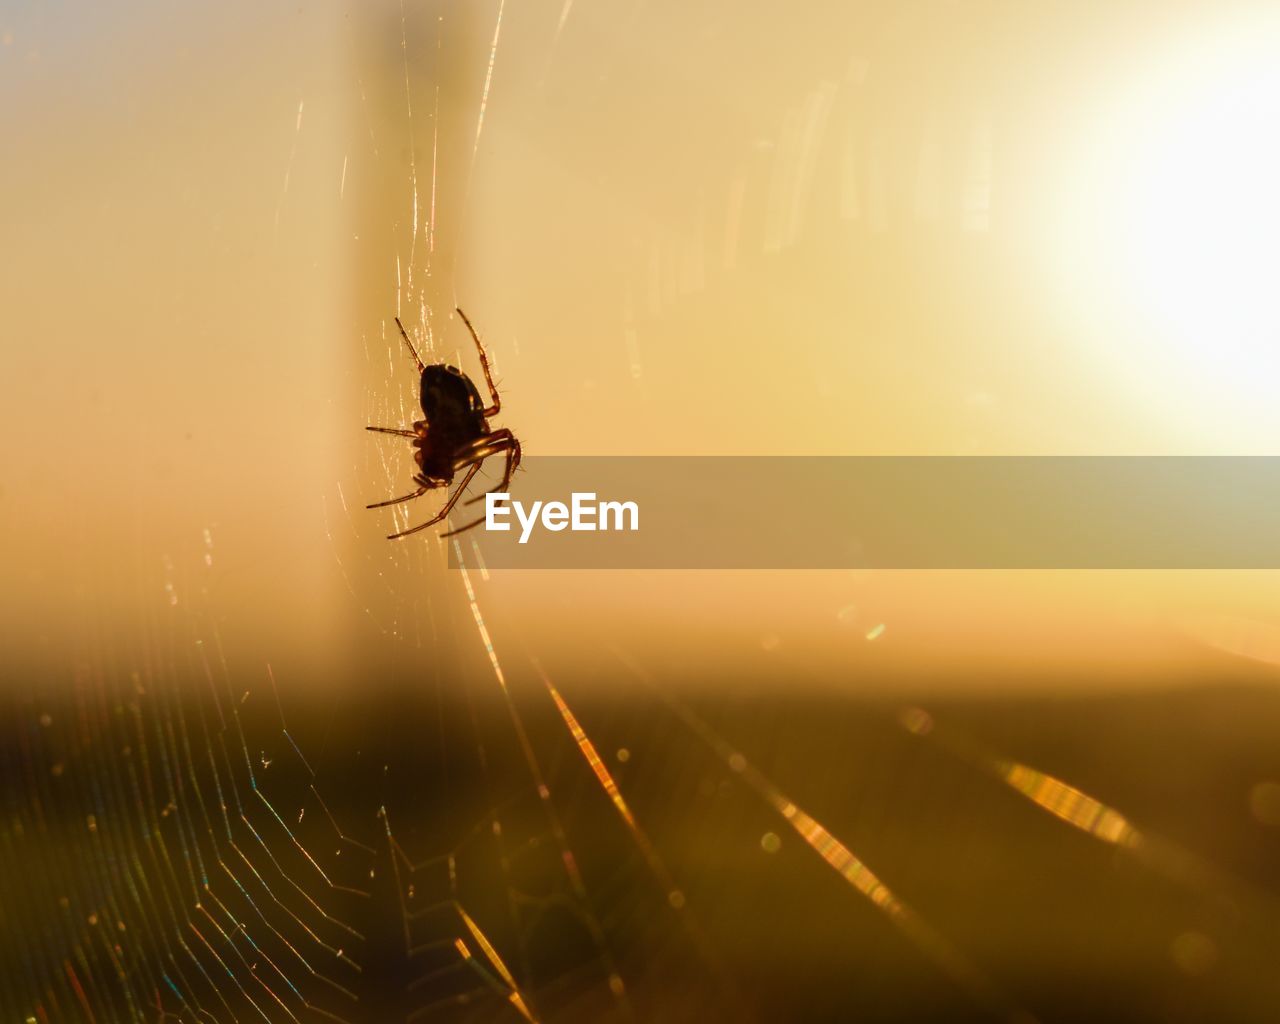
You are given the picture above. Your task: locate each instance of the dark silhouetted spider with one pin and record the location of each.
(453, 434)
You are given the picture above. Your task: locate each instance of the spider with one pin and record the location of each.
(453, 434)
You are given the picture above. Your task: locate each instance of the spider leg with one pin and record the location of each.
(505, 442)
(511, 446)
(482, 447)
(396, 501)
(392, 430)
(484, 362)
(412, 351)
(475, 468)
(463, 529)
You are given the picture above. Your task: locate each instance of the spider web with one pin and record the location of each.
(165, 875)
(187, 838)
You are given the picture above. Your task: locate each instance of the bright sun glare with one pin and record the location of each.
(1173, 224)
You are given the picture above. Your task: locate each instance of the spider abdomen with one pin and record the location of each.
(450, 401)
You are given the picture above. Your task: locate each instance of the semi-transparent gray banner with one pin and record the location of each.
(816, 512)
